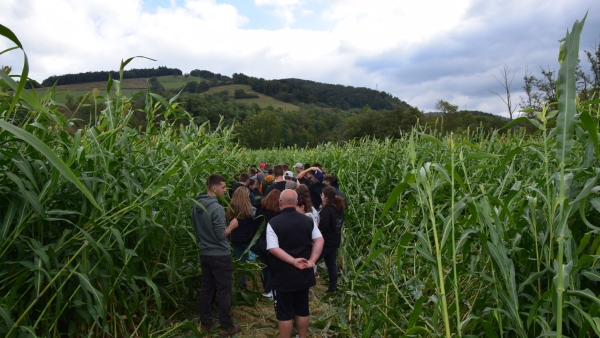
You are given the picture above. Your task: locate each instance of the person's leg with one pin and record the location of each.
(266, 275)
(302, 312)
(331, 263)
(239, 248)
(302, 325)
(283, 304)
(207, 291)
(285, 328)
(262, 255)
(222, 270)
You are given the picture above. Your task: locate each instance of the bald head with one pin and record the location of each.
(288, 198)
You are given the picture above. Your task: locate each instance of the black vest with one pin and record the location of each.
(294, 233)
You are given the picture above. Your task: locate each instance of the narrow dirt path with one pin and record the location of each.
(259, 321)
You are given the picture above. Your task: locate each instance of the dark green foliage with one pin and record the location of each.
(196, 87)
(213, 108)
(382, 124)
(322, 94)
(205, 74)
(260, 131)
(463, 120)
(155, 85)
(241, 94)
(275, 127)
(346, 97)
(103, 75)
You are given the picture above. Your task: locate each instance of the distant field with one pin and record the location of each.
(262, 100)
(129, 87)
(132, 86)
(178, 82)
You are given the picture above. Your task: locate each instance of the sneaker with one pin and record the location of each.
(268, 295)
(236, 328)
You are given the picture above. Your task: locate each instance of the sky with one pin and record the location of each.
(419, 51)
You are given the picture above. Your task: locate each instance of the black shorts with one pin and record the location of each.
(288, 304)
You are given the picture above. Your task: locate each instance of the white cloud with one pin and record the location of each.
(284, 9)
(278, 3)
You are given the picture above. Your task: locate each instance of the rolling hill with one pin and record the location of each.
(132, 86)
(287, 94)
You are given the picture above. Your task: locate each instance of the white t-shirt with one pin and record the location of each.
(273, 241)
(314, 219)
(316, 214)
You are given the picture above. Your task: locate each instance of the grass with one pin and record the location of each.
(262, 100)
(171, 82)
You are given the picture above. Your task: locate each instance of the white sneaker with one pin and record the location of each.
(268, 295)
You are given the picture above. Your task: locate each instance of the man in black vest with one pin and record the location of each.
(295, 244)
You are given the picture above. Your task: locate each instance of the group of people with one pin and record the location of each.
(297, 218)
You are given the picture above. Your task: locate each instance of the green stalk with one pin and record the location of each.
(45, 289)
(54, 297)
(496, 314)
(438, 257)
(560, 287)
(551, 208)
(456, 292)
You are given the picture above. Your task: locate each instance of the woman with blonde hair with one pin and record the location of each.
(241, 209)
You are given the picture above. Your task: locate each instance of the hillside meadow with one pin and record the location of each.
(130, 87)
(471, 234)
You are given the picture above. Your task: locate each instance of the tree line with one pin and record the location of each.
(103, 75)
(298, 91)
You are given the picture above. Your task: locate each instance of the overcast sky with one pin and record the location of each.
(419, 51)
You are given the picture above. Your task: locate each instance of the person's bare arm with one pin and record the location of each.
(304, 172)
(299, 263)
(315, 252)
(232, 225)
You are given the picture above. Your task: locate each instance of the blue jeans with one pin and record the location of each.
(330, 257)
(216, 277)
(260, 249)
(239, 248)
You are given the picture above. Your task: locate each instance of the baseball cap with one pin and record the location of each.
(288, 174)
(319, 176)
(262, 165)
(298, 165)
